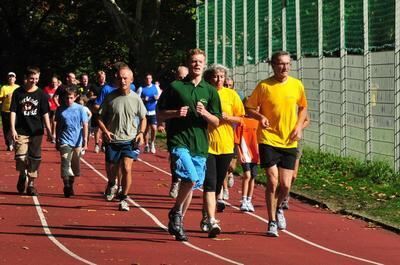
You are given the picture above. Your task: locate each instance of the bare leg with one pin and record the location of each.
(271, 191)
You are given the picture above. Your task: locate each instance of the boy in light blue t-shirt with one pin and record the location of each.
(71, 138)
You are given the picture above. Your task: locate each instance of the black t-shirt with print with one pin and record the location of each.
(29, 108)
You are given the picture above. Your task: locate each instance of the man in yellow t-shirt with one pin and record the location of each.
(6, 92)
(280, 104)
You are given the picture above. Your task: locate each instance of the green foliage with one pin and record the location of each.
(368, 188)
(85, 36)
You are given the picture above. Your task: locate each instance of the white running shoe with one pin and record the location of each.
(280, 219)
(111, 192)
(225, 194)
(153, 148)
(173, 192)
(231, 180)
(244, 206)
(124, 205)
(272, 229)
(214, 229)
(97, 149)
(250, 207)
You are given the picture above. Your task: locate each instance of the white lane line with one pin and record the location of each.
(285, 231)
(48, 233)
(161, 225)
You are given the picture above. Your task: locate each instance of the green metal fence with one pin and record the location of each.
(346, 52)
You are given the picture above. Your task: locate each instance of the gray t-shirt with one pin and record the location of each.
(119, 114)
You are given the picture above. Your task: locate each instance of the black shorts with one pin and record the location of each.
(151, 119)
(282, 157)
(217, 167)
(252, 167)
(52, 113)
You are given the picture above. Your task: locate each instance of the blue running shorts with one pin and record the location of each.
(116, 151)
(188, 167)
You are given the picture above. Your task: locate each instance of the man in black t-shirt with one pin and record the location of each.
(29, 109)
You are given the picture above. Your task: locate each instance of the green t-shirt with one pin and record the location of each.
(191, 131)
(120, 114)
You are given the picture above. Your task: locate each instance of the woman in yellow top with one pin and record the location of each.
(221, 146)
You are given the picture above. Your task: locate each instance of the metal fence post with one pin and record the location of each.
(224, 32)
(206, 27)
(397, 88)
(284, 41)
(367, 81)
(343, 65)
(322, 92)
(216, 31)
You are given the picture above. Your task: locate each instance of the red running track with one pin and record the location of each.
(85, 229)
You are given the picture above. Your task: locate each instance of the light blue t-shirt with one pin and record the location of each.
(69, 124)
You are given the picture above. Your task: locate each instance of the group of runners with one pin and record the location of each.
(207, 125)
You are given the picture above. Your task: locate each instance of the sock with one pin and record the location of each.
(123, 197)
(244, 199)
(211, 220)
(249, 199)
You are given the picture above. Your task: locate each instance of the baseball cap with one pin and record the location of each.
(11, 73)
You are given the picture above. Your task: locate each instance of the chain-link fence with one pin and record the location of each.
(347, 53)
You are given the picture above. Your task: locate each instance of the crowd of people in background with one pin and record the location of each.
(210, 129)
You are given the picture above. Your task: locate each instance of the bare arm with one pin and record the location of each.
(14, 133)
(164, 115)
(85, 135)
(140, 134)
(297, 133)
(210, 118)
(231, 119)
(258, 116)
(103, 128)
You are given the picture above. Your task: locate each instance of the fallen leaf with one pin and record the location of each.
(91, 210)
(24, 247)
(45, 211)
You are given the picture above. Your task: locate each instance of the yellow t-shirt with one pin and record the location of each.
(279, 103)
(221, 139)
(5, 94)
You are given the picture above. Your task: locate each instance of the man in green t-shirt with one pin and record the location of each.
(189, 105)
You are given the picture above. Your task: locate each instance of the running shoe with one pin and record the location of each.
(146, 148)
(110, 192)
(10, 148)
(231, 180)
(31, 191)
(250, 207)
(220, 206)
(67, 191)
(173, 192)
(153, 148)
(244, 206)
(272, 229)
(225, 194)
(175, 225)
(119, 192)
(281, 219)
(124, 205)
(285, 204)
(204, 224)
(97, 149)
(214, 229)
(21, 184)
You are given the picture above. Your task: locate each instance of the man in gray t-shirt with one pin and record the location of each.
(117, 120)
